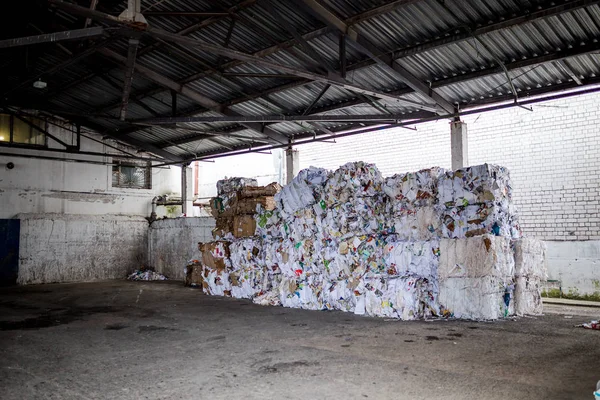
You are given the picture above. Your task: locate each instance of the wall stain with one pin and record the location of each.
(83, 196)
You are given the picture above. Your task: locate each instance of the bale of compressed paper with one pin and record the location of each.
(422, 223)
(302, 292)
(530, 272)
(406, 298)
(223, 228)
(215, 255)
(338, 294)
(413, 189)
(476, 257)
(304, 190)
(251, 205)
(356, 216)
(244, 225)
(352, 180)
(530, 258)
(474, 185)
(304, 257)
(412, 258)
(215, 281)
(528, 296)
(224, 205)
(230, 185)
(483, 298)
(480, 219)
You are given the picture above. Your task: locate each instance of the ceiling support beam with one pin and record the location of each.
(74, 34)
(385, 61)
(193, 95)
(128, 80)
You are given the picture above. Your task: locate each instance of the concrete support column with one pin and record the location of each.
(292, 164)
(459, 144)
(187, 187)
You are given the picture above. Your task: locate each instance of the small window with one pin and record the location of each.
(21, 130)
(126, 174)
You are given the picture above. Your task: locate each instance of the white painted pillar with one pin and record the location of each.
(187, 190)
(292, 164)
(459, 144)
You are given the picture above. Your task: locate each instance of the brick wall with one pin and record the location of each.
(553, 153)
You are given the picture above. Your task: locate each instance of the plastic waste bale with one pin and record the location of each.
(229, 185)
(406, 298)
(530, 272)
(302, 292)
(476, 277)
(304, 190)
(413, 189)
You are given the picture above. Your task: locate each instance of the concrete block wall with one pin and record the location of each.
(79, 248)
(173, 242)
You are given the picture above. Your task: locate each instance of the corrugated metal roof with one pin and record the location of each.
(429, 39)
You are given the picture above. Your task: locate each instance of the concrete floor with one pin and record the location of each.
(132, 340)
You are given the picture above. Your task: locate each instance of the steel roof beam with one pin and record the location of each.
(196, 96)
(385, 61)
(274, 118)
(85, 33)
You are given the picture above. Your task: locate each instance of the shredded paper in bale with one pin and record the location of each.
(304, 190)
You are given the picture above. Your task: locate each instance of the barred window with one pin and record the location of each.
(127, 174)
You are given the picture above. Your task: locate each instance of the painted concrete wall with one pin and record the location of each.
(80, 248)
(51, 186)
(173, 242)
(576, 265)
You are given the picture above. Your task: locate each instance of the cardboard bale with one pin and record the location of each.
(215, 255)
(248, 205)
(223, 226)
(244, 226)
(259, 191)
(223, 206)
(193, 274)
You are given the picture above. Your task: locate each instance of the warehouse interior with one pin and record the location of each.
(139, 140)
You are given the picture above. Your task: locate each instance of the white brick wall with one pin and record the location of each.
(553, 154)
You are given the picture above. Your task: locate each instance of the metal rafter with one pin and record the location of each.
(361, 43)
(74, 34)
(192, 94)
(128, 79)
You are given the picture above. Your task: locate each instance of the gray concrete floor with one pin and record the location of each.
(132, 340)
